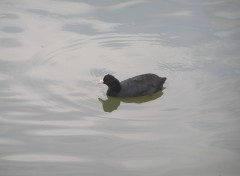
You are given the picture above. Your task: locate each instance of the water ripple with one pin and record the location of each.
(10, 43)
(46, 79)
(41, 158)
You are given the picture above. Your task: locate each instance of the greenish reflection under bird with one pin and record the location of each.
(112, 103)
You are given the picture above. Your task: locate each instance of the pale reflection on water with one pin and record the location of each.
(56, 120)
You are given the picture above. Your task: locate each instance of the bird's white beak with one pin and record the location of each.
(101, 81)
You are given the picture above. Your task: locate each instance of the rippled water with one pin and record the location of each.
(56, 120)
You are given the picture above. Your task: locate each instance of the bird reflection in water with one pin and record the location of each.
(112, 103)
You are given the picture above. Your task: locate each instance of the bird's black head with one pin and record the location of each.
(111, 82)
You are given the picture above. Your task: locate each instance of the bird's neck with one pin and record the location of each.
(115, 87)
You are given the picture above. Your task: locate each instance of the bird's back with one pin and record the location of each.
(141, 85)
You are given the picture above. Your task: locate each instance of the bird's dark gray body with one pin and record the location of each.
(140, 85)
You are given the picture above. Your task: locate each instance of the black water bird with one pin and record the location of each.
(141, 85)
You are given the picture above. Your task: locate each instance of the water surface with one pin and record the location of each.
(56, 120)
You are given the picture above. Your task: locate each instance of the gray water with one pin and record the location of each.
(56, 120)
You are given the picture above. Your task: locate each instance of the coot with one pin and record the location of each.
(140, 85)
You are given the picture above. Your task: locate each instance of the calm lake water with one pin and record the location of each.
(56, 120)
